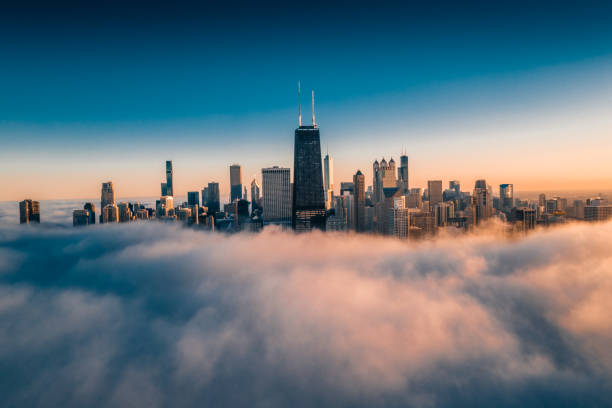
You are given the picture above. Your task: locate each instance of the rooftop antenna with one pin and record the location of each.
(314, 124)
(299, 106)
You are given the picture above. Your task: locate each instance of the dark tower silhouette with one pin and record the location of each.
(308, 195)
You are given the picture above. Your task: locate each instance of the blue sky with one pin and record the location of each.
(114, 90)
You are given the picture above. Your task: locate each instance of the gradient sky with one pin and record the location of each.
(511, 92)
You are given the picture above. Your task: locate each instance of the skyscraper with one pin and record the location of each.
(255, 195)
(383, 177)
(506, 196)
(308, 192)
(402, 174)
(169, 181)
(213, 201)
(91, 209)
(359, 201)
(193, 198)
(328, 179)
(235, 182)
(29, 211)
(110, 213)
(108, 197)
(434, 187)
(481, 202)
(80, 218)
(276, 185)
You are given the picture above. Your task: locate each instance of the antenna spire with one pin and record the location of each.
(299, 106)
(314, 124)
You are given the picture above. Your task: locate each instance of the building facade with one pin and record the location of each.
(276, 195)
(235, 182)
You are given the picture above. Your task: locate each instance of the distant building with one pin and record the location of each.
(402, 174)
(91, 209)
(110, 213)
(80, 218)
(328, 180)
(399, 218)
(193, 198)
(29, 211)
(526, 218)
(359, 202)
(346, 186)
(107, 197)
(255, 196)
(169, 179)
(213, 200)
(383, 177)
(506, 196)
(455, 185)
(235, 182)
(125, 212)
(383, 207)
(481, 203)
(276, 195)
(443, 213)
(601, 212)
(414, 198)
(434, 188)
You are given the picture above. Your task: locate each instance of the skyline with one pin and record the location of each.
(106, 94)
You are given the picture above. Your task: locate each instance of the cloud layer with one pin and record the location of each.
(155, 315)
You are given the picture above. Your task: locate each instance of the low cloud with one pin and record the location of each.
(158, 315)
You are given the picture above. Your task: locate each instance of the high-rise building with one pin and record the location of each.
(308, 192)
(80, 218)
(204, 196)
(383, 177)
(125, 212)
(235, 182)
(414, 198)
(193, 198)
(169, 181)
(213, 201)
(108, 195)
(110, 213)
(481, 202)
(506, 196)
(443, 212)
(328, 179)
(255, 195)
(276, 195)
(402, 174)
(597, 212)
(347, 186)
(29, 211)
(526, 217)
(542, 200)
(399, 218)
(455, 185)
(359, 202)
(383, 207)
(91, 209)
(434, 187)
(165, 207)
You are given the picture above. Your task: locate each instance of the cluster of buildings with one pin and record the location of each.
(389, 206)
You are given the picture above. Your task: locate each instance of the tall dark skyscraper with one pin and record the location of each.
(212, 198)
(235, 182)
(167, 188)
(91, 209)
(308, 194)
(402, 174)
(359, 201)
(193, 198)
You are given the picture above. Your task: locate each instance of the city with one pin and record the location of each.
(389, 206)
(348, 204)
